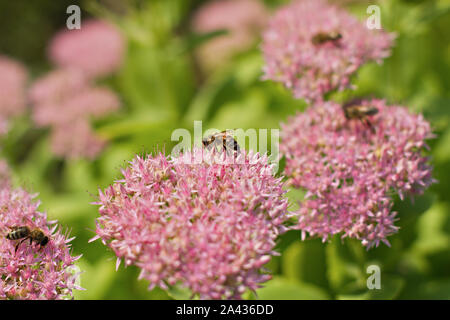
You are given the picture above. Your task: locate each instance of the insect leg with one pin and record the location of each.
(224, 144)
(369, 125)
(17, 246)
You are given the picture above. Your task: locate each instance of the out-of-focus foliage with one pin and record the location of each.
(163, 88)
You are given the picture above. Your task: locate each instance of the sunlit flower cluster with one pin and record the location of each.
(97, 48)
(350, 172)
(33, 272)
(241, 19)
(13, 79)
(64, 100)
(298, 54)
(208, 227)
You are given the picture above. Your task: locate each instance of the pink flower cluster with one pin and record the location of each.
(242, 19)
(208, 227)
(13, 79)
(97, 48)
(5, 174)
(33, 272)
(350, 171)
(64, 100)
(312, 69)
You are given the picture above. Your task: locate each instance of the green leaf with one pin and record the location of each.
(179, 293)
(245, 113)
(140, 124)
(157, 79)
(68, 207)
(345, 264)
(212, 95)
(442, 149)
(305, 262)
(248, 69)
(280, 288)
(281, 166)
(431, 228)
(409, 212)
(295, 196)
(436, 289)
(96, 279)
(78, 176)
(391, 286)
(31, 173)
(195, 40)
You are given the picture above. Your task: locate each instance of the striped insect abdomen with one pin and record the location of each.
(18, 233)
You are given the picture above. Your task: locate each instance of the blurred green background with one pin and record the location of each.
(162, 89)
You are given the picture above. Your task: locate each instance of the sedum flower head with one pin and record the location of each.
(309, 68)
(242, 19)
(209, 227)
(350, 172)
(13, 79)
(76, 139)
(65, 101)
(63, 95)
(33, 272)
(97, 48)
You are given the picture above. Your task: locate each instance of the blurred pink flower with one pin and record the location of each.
(96, 49)
(4, 173)
(310, 69)
(13, 79)
(350, 172)
(57, 85)
(242, 19)
(49, 92)
(94, 102)
(208, 227)
(33, 272)
(76, 139)
(65, 100)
